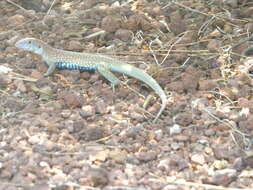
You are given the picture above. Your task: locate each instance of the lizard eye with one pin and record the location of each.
(29, 42)
(39, 46)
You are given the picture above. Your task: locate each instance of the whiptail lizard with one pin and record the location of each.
(56, 58)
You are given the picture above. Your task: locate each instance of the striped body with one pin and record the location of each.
(56, 58)
(73, 66)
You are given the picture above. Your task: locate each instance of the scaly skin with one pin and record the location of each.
(56, 58)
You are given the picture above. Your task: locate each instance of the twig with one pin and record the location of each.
(207, 186)
(151, 50)
(93, 35)
(17, 76)
(181, 66)
(190, 9)
(50, 7)
(226, 123)
(15, 4)
(241, 42)
(214, 92)
(178, 40)
(6, 93)
(17, 185)
(176, 181)
(205, 25)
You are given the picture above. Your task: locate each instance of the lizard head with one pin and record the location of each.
(30, 44)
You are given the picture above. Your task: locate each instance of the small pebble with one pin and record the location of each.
(198, 158)
(175, 129)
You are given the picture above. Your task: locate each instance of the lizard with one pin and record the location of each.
(105, 65)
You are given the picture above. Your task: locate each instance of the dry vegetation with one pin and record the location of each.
(70, 131)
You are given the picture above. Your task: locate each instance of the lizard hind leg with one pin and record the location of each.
(104, 71)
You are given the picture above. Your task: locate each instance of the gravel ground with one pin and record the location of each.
(70, 131)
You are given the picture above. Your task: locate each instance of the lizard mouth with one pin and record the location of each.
(18, 45)
(21, 44)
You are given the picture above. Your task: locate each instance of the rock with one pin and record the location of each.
(198, 159)
(88, 4)
(7, 173)
(206, 85)
(16, 20)
(4, 70)
(228, 92)
(110, 24)
(5, 80)
(124, 34)
(40, 186)
(245, 103)
(65, 113)
(118, 156)
(72, 75)
(36, 5)
(158, 134)
(176, 146)
(92, 133)
(85, 75)
(131, 159)
(50, 19)
(177, 24)
(248, 12)
(177, 86)
(146, 156)
(249, 27)
(232, 3)
(222, 178)
(87, 111)
(137, 116)
(175, 129)
(249, 160)
(11, 42)
(239, 164)
(20, 85)
(36, 74)
(210, 132)
(220, 164)
(13, 104)
(183, 119)
(34, 139)
(138, 22)
(221, 153)
(190, 82)
(45, 93)
(181, 138)
(72, 100)
(131, 132)
(200, 103)
(246, 124)
(101, 107)
(174, 163)
(213, 45)
(75, 45)
(95, 177)
(154, 11)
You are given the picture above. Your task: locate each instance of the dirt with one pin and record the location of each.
(70, 131)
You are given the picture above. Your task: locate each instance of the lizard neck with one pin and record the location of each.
(46, 50)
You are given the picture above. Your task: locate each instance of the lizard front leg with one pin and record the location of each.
(51, 68)
(103, 70)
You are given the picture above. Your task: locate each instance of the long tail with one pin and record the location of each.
(144, 77)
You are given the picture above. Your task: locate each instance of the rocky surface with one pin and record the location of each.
(70, 131)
